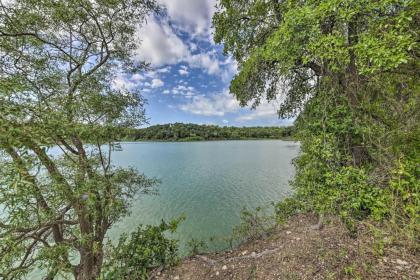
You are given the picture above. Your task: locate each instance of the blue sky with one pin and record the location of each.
(191, 76)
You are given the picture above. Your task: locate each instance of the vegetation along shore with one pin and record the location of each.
(194, 132)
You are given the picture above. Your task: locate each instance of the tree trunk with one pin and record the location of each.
(351, 89)
(352, 77)
(91, 250)
(90, 264)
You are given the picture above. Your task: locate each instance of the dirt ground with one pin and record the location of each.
(299, 251)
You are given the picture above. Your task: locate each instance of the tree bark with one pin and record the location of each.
(90, 263)
(351, 89)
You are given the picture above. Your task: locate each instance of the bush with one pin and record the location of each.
(359, 163)
(196, 246)
(404, 202)
(287, 208)
(254, 225)
(136, 254)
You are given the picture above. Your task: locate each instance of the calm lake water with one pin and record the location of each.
(209, 182)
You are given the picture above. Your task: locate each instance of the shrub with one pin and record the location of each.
(136, 254)
(254, 225)
(196, 246)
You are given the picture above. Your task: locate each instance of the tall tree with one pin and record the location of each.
(289, 48)
(348, 70)
(57, 62)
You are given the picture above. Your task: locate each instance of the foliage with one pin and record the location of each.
(254, 225)
(287, 208)
(59, 195)
(146, 248)
(195, 132)
(196, 246)
(329, 181)
(404, 197)
(283, 46)
(348, 70)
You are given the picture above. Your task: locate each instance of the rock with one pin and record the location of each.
(253, 254)
(176, 277)
(244, 253)
(288, 232)
(217, 273)
(401, 262)
(224, 267)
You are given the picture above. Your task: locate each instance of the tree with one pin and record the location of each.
(348, 70)
(58, 60)
(293, 47)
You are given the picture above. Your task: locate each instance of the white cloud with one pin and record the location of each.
(181, 87)
(159, 45)
(225, 121)
(193, 46)
(151, 74)
(265, 110)
(157, 83)
(164, 69)
(120, 82)
(137, 77)
(166, 91)
(183, 70)
(230, 68)
(215, 105)
(206, 61)
(193, 15)
(184, 91)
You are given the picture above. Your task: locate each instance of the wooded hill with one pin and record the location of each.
(196, 132)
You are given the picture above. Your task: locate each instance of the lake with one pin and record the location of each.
(209, 182)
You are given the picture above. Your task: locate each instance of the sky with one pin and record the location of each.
(190, 76)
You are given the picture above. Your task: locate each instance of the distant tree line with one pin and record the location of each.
(196, 132)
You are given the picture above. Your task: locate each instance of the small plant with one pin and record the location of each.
(254, 225)
(378, 241)
(349, 270)
(196, 246)
(287, 208)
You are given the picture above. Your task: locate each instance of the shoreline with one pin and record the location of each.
(296, 250)
(207, 140)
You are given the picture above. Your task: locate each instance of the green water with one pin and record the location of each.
(209, 182)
